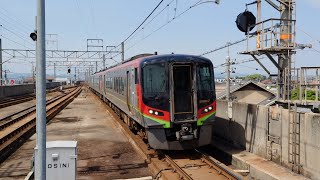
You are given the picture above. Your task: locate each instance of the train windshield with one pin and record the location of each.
(155, 86)
(205, 85)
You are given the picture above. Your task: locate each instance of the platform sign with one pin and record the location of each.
(61, 160)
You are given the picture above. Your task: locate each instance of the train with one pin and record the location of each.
(168, 99)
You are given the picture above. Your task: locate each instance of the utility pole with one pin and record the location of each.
(122, 51)
(54, 71)
(104, 61)
(1, 62)
(5, 76)
(78, 75)
(86, 76)
(32, 71)
(317, 88)
(228, 78)
(228, 71)
(40, 163)
(75, 74)
(96, 66)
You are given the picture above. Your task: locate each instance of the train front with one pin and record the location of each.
(178, 101)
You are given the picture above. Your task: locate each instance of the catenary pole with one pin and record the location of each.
(40, 163)
(54, 71)
(228, 78)
(104, 61)
(1, 63)
(122, 51)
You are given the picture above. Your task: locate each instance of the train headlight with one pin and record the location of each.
(210, 108)
(206, 110)
(156, 113)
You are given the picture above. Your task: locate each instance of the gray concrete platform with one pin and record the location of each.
(103, 150)
(258, 167)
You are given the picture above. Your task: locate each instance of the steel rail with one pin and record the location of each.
(159, 161)
(17, 116)
(177, 168)
(17, 100)
(15, 136)
(221, 168)
(10, 101)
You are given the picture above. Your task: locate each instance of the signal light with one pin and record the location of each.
(69, 70)
(246, 21)
(33, 36)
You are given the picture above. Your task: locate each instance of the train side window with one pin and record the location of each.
(117, 87)
(122, 86)
(136, 79)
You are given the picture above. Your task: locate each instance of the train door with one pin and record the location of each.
(104, 84)
(129, 94)
(100, 84)
(182, 92)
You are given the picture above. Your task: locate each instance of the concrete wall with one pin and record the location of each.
(243, 131)
(246, 96)
(17, 90)
(264, 131)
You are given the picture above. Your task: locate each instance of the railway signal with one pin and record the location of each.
(246, 21)
(33, 36)
(69, 70)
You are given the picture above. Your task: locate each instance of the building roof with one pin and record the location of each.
(238, 87)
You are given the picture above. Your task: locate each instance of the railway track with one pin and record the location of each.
(16, 100)
(18, 127)
(10, 101)
(196, 165)
(186, 165)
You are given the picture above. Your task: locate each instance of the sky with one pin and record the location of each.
(200, 29)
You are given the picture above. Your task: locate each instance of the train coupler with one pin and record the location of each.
(186, 133)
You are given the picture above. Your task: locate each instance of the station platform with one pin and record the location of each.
(258, 167)
(103, 150)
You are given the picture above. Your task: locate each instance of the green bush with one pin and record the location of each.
(255, 77)
(311, 94)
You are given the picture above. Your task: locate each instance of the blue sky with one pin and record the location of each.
(203, 28)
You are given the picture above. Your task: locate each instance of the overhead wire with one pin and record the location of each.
(19, 21)
(12, 32)
(133, 33)
(15, 26)
(146, 24)
(144, 20)
(165, 24)
(238, 62)
(162, 26)
(316, 50)
(312, 37)
(257, 69)
(225, 46)
(13, 41)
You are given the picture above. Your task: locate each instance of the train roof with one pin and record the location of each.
(177, 57)
(142, 58)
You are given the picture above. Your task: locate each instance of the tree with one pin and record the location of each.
(311, 94)
(255, 77)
